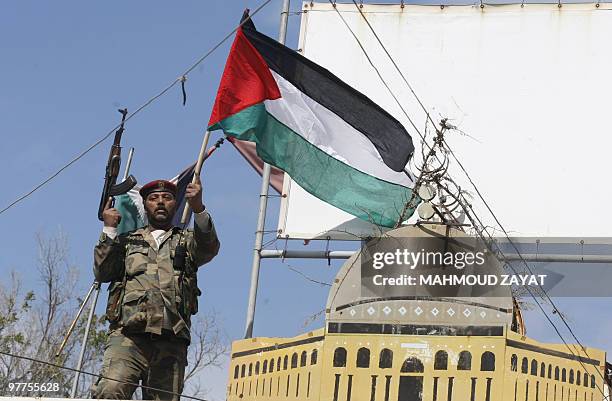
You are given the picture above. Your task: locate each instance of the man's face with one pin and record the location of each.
(160, 208)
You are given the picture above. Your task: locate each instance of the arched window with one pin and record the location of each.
(441, 360)
(257, 368)
(556, 373)
(412, 365)
(563, 375)
(265, 367)
(278, 363)
(313, 357)
(571, 376)
(465, 361)
(513, 363)
(534, 367)
(303, 358)
(363, 358)
(339, 357)
(242, 370)
(578, 376)
(550, 371)
(271, 365)
(586, 380)
(487, 362)
(386, 359)
(592, 381)
(294, 360)
(542, 369)
(236, 371)
(250, 369)
(285, 362)
(524, 365)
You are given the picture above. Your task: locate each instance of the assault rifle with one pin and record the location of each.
(111, 188)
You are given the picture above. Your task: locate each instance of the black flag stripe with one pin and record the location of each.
(388, 135)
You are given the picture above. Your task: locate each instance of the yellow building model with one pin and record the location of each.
(413, 348)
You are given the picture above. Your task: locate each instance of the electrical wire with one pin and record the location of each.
(472, 216)
(55, 365)
(312, 280)
(394, 63)
(408, 205)
(377, 71)
(547, 297)
(273, 242)
(371, 28)
(181, 78)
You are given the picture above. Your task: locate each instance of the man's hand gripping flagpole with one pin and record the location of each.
(196, 179)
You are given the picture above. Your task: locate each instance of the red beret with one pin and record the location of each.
(157, 186)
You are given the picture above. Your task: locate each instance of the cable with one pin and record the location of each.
(376, 69)
(449, 149)
(144, 105)
(293, 269)
(395, 64)
(271, 241)
(546, 296)
(470, 217)
(408, 205)
(97, 375)
(474, 186)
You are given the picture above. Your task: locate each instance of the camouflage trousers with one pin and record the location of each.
(159, 361)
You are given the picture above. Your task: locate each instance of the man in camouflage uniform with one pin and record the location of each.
(152, 295)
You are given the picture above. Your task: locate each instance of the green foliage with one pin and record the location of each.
(10, 335)
(27, 301)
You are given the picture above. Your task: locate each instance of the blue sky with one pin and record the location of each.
(65, 69)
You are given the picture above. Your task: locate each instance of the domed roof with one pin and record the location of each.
(356, 304)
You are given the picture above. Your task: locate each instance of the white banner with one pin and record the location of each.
(529, 86)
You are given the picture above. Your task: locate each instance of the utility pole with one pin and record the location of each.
(263, 204)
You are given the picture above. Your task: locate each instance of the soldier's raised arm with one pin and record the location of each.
(109, 252)
(203, 245)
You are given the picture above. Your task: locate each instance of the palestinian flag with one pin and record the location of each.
(332, 140)
(132, 210)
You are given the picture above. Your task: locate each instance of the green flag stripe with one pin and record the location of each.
(131, 218)
(364, 196)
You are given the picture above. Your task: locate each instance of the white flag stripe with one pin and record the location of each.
(328, 132)
(137, 200)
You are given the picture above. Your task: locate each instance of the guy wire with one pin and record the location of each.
(97, 375)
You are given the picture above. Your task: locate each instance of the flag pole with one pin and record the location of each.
(263, 204)
(196, 172)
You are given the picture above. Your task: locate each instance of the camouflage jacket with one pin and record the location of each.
(146, 293)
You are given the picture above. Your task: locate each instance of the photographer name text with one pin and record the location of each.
(454, 280)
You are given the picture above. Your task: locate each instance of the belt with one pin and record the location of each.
(166, 335)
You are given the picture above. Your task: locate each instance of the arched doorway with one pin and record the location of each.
(411, 380)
